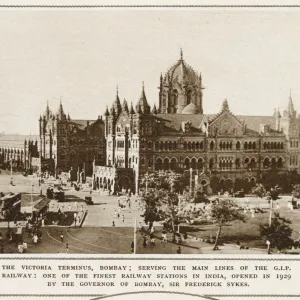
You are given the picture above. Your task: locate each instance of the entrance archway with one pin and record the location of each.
(124, 184)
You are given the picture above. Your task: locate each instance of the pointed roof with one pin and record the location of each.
(60, 112)
(117, 103)
(291, 109)
(125, 106)
(154, 110)
(225, 105)
(106, 112)
(142, 105)
(47, 109)
(132, 109)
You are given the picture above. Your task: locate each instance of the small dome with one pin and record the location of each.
(190, 109)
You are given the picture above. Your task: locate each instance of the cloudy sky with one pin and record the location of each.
(251, 57)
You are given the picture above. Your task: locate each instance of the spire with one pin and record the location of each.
(225, 105)
(154, 110)
(125, 106)
(106, 112)
(132, 112)
(291, 109)
(60, 113)
(181, 54)
(69, 117)
(47, 110)
(117, 103)
(142, 105)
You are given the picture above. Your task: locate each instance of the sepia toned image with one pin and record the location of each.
(149, 131)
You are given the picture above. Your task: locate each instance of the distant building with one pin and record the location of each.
(68, 144)
(20, 150)
(223, 147)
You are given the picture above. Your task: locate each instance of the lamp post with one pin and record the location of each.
(11, 174)
(191, 181)
(271, 212)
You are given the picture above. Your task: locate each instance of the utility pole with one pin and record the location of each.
(179, 209)
(134, 237)
(271, 212)
(11, 174)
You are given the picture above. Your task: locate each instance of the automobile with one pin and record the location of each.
(88, 200)
(239, 194)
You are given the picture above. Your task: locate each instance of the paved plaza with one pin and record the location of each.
(98, 235)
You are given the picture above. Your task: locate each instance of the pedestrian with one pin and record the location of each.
(1, 237)
(145, 242)
(132, 246)
(20, 248)
(25, 247)
(67, 248)
(164, 237)
(118, 215)
(179, 250)
(61, 237)
(69, 207)
(35, 239)
(152, 240)
(113, 224)
(123, 218)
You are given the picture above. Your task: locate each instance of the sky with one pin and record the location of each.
(251, 57)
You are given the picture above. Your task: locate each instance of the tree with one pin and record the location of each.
(223, 212)
(259, 190)
(296, 190)
(279, 233)
(159, 191)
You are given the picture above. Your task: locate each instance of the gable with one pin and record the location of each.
(225, 123)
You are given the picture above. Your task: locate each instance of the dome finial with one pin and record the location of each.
(181, 54)
(143, 86)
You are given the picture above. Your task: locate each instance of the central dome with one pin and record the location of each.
(180, 87)
(181, 72)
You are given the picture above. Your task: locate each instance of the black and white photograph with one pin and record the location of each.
(150, 131)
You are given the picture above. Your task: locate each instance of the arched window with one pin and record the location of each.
(149, 145)
(170, 146)
(266, 163)
(143, 161)
(166, 146)
(194, 164)
(189, 97)
(237, 163)
(212, 145)
(187, 163)
(246, 146)
(280, 163)
(158, 164)
(174, 145)
(156, 145)
(175, 94)
(200, 165)
(211, 163)
(166, 164)
(173, 164)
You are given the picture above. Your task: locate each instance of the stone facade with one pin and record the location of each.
(70, 144)
(178, 136)
(20, 150)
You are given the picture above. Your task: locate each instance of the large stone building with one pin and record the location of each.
(178, 135)
(67, 144)
(20, 151)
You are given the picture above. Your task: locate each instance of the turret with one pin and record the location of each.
(125, 106)
(142, 105)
